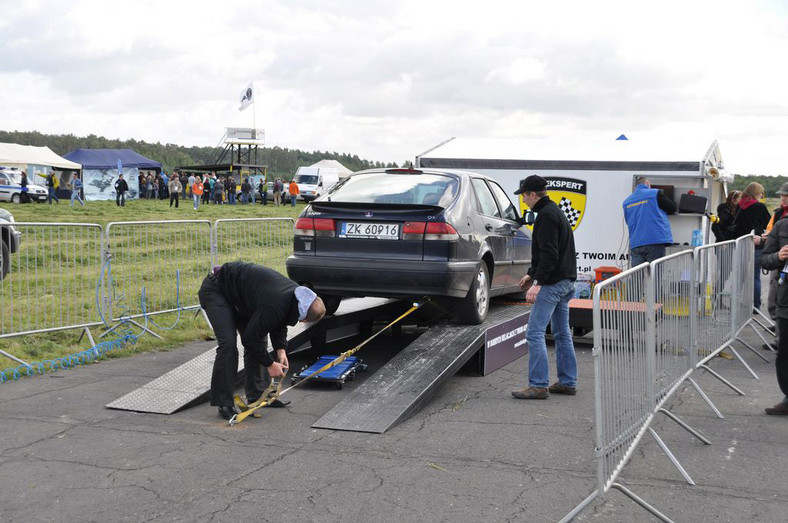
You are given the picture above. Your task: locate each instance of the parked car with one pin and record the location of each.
(11, 187)
(410, 233)
(9, 241)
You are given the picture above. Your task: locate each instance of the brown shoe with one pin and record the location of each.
(531, 393)
(781, 409)
(560, 388)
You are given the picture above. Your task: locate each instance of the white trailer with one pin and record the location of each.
(590, 183)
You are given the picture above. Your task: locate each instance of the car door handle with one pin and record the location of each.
(488, 227)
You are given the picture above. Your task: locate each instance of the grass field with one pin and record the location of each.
(141, 256)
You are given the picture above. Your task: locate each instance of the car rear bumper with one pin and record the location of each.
(386, 278)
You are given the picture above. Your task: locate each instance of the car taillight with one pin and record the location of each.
(413, 230)
(440, 231)
(305, 227)
(323, 227)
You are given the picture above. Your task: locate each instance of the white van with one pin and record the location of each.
(314, 181)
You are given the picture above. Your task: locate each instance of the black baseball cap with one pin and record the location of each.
(533, 183)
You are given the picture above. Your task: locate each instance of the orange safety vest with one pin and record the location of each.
(197, 188)
(293, 189)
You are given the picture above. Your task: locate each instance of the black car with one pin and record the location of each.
(410, 233)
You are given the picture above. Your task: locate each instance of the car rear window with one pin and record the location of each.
(395, 188)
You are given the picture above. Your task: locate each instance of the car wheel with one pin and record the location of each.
(15, 198)
(331, 302)
(472, 309)
(5, 260)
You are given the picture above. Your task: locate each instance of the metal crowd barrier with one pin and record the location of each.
(654, 325)
(80, 275)
(52, 280)
(266, 241)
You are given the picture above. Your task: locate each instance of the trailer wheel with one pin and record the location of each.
(339, 385)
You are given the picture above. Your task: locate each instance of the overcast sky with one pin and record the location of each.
(389, 79)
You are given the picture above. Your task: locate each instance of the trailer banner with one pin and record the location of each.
(570, 196)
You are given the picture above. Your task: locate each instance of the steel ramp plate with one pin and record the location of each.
(402, 386)
(189, 384)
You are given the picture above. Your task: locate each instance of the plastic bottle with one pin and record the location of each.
(697, 238)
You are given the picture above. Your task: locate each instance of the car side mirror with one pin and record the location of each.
(529, 218)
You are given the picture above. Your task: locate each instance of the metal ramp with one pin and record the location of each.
(189, 384)
(401, 387)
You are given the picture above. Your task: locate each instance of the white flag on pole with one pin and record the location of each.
(247, 97)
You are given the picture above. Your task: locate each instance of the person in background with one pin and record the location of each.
(775, 257)
(141, 185)
(197, 191)
(229, 189)
(251, 190)
(646, 213)
(24, 197)
(51, 186)
(76, 190)
(190, 183)
(724, 229)
(163, 185)
(753, 216)
(120, 191)
(218, 192)
(174, 188)
(278, 186)
(211, 187)
(293, 190)
(771, 302)
(263, 188)
(245, 190)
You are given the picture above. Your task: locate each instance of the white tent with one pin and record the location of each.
(15, 155)
(343, 171)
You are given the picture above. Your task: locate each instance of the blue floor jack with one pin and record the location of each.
(338, 374)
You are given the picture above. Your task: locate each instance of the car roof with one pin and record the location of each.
(451, 172)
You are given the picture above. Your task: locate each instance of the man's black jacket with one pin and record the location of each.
(264, 299)
(121, 186)
(553, 255)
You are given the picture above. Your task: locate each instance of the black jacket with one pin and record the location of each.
(777, 238)
(725, 229)
(755, 217)
(553, 255)
(263, 298)
(121, 186)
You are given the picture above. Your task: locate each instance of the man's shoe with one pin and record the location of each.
(560, 388)
(781, 409)
(227, 412)
(278, 404)
(531, 393)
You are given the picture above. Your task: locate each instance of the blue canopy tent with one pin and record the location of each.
(100, 170)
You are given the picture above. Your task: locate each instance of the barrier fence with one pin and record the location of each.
(654, 326)
(81, 275)
(52, 278)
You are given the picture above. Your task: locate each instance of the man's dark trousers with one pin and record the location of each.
(225, 325)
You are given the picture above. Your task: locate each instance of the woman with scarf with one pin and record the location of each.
(753, 216)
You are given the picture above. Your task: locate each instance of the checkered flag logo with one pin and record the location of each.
(572, 214)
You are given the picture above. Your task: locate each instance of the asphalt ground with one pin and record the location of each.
(473, 453)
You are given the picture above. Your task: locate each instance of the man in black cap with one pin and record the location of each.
(254, 301)
(549, 285)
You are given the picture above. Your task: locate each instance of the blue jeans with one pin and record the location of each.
(52, 196)
(293, 199)
(75, 196)
(645, 253)
(196, 200)
(552, 306)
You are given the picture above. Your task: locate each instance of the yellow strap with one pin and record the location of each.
(272, 393)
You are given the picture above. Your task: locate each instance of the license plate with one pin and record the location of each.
(379, 231)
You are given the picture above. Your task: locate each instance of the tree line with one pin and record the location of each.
(280, 161)
(771, 184)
